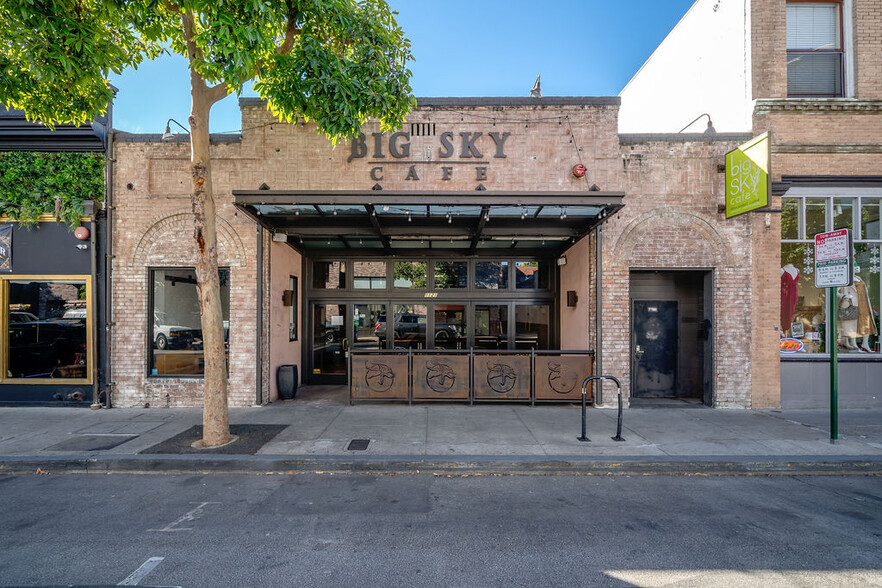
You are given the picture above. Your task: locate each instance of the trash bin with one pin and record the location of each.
(286, 380)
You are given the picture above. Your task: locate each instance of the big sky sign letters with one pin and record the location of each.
(466, 153)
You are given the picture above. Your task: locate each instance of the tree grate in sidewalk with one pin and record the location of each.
(358, 445)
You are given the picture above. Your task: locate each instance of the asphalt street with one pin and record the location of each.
(430, 530)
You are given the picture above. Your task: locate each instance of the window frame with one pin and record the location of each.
(803, 238)
(148, 333)
(843, 50)
(4, 328)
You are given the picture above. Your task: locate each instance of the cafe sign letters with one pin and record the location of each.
(392, 156)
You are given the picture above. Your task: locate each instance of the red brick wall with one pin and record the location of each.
(672, 221)
(673, 193)
(153, 227)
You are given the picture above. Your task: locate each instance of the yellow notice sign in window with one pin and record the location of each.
(747, 176)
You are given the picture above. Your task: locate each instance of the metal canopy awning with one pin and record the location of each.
(379, 222)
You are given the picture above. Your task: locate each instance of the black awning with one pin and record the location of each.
(368, 222)
(18, 134)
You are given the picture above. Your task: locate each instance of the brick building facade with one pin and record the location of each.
(808, 74)
(671, 225)
(614, 274)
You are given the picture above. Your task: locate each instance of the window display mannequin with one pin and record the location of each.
(854, 301)
(789, 294)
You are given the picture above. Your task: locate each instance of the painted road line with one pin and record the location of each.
(192, 515)
(141, 572)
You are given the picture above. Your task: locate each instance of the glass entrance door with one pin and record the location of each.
(329, 343)
(368, 326)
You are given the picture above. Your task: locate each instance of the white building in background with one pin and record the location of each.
(702, 66)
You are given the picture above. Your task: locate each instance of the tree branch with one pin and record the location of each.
(218, 92)
(291, 32)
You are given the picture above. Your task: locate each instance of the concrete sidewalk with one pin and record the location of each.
(446, 437)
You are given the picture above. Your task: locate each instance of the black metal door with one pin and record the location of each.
(654, 351)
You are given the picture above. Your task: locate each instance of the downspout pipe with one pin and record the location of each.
(108, 267)
(258, 394)
(97, 350)
(598, 324)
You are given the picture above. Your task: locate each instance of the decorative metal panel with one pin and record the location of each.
(502, 377)
(560, 377)
(379, 377)
(438, 376)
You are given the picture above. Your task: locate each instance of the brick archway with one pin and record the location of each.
(666, 237)
(166, 234)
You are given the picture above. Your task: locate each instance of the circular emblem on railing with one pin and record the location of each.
(379, 377)
(440, 377)
(501, 377)
(562, 378)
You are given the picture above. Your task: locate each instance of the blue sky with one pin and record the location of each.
(462, 48)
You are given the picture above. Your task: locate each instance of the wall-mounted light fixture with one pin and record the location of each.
(167, 135)
(710, 130)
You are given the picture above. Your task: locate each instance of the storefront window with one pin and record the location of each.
(790, 218)
(328, 275)
(532, 326)
(451, 274)
(410, 274)
(491, 326)
(369, 275)
(48, 329)
(450, 326)
(802, 305)
(815, 216)
(843, 217)
(369, 326)
(870, 209)
(491, 275)
(531, 275)
(804, 308)
(409, 326)
(176, 334)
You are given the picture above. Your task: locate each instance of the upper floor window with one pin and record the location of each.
(815, 56)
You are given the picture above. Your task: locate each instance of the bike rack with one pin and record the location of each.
(584, 436)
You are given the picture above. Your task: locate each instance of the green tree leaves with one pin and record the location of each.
(336, 62)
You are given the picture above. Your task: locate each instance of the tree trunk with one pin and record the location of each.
(215, 411)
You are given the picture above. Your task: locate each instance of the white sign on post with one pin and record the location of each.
(833, 263)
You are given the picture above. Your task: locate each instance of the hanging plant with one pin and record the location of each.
(34, 184)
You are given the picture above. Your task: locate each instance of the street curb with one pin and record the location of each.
(440, 465)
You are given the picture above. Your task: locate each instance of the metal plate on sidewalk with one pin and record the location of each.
(91, 442)
(358, 445)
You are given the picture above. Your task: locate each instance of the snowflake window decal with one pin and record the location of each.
(808, 260)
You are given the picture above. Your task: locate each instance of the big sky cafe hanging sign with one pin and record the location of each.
(391, 156)
(747, 176)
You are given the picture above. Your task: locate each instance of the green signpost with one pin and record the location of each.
(833, 269)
